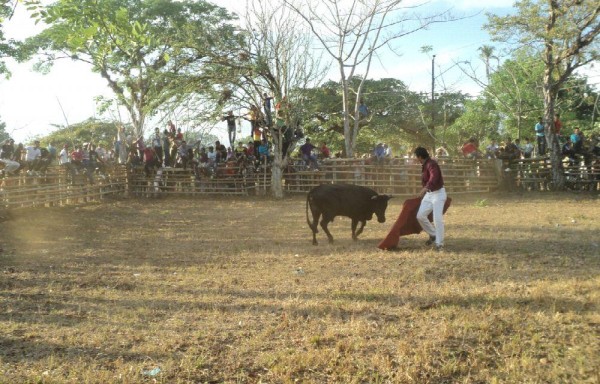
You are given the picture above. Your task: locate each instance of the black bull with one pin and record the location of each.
(353, 201)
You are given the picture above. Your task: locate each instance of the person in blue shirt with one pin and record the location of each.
(577, 140)
(541, 137)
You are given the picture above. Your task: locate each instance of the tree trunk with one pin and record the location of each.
(279, 163)
(558, 175)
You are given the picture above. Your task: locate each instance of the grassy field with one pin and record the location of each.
(222, 290)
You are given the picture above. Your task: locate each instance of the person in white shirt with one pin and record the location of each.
(32, 156)
(64, 160)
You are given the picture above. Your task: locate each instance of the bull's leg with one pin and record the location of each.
(324, 221)
(360, 230)
(354, 224)
(314, 225)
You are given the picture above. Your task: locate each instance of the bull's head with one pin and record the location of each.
(380, 203)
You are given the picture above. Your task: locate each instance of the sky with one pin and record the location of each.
(34, 104)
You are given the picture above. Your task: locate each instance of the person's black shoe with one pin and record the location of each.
(431, 240)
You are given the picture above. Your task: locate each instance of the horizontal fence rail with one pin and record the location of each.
(60, 186)
(399, 176)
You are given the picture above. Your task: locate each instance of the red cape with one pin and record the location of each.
(407, 223)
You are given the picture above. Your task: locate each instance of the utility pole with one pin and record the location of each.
(433, 100)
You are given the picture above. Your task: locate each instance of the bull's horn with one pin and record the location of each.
(374, 197)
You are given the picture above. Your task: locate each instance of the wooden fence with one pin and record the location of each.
(57, 186)
(582, 173)
(398, 176)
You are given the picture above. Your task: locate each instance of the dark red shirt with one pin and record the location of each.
(432, 175)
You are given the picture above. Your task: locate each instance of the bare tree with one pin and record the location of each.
(352, 33)
(283, 65)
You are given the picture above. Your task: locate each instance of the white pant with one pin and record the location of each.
(10, 166)
(433, 201)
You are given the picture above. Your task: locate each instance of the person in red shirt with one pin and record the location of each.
(470, 150)
(434, 198)
(557, 124)
(325, 153)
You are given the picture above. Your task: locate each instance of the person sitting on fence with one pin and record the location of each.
(64, 160)
(324, 152)
(211, 155)
(569, 152)
(577, 140)
(491, 151)
(45, 160)
(182, 154)
(77, 159)
(470, 149)
(151, 161)
(527, 148)
(8, 149)
(250, 151)
(240, 151)
(379, 154)
(133, 158)
(221, 152)
(8, 167)
(306, 152)
(441, 152)
(263, 152)
(387, 150)
(510, 151)
(33, 154)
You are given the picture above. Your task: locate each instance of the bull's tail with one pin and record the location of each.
(311, 225)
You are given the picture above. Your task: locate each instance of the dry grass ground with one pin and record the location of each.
(231, 291)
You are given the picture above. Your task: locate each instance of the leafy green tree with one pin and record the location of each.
(88, 131)
(516, 89)
(8, 48)
(480, 121)
(565, 35)
(150, 52)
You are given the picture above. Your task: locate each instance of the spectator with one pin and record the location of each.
(441, 152)
(240, 151)
(8, 149)
(263, 151)
(257, 138)
(541, 137)
(171, 128)
(363, 110)
(230, 119)
(77, 159)
(306, 152)
(577, 140)
(527, 148)
(211, 156)
(182, 154)
(151, 161)
(557, 124)
(379, 153)
(470, 149)
(267, 107)
(568, 151)
(511, 151)
(8, 167)
(491, 151)
(166, 139)
(64, 160)
(33, 156)
(157, 145)
(51, 152)
(324, 152)
(388, 151)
